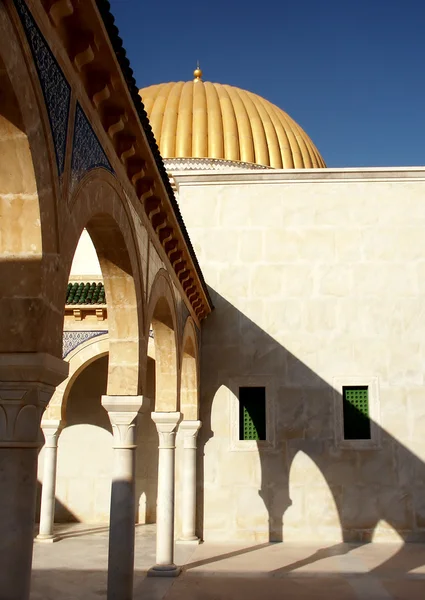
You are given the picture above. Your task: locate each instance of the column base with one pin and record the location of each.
(164, 571)
(195, 541)
(47, 539)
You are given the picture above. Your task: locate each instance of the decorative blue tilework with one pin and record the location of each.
(72, 339)
(87, 153)
(56, 89)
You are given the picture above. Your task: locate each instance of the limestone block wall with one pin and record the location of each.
(317, 283)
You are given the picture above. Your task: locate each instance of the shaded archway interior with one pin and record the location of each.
(162, 325)
(189, 389)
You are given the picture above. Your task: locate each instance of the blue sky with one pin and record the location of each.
(352, 74)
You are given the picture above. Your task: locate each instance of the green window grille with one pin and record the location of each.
(356, 412)
(252, 413)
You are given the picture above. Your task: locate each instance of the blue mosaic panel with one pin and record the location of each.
(56, 89)
(87, 153)
(72, 339)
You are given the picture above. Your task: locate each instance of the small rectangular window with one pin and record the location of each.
(356, 412)
(252, 413)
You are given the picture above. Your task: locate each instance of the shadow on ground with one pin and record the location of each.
(211, 572)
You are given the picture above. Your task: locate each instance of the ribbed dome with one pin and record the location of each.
(197, 119)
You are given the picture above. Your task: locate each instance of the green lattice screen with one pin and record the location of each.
(252, 413)
(356, 412)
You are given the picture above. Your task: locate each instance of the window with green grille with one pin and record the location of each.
(356, 412)
(252, 413)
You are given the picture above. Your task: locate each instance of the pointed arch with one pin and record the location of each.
(79, 359)
(189, 370)
(27, 198)
(162, 316)
(100, 206)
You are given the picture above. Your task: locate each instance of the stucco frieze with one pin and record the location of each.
(87, 152)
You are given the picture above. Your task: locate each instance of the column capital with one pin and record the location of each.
(166, 422)
(123, 412)
(166, 425)
(190, 427)
(52, 429)
(126, 404)
(189, 431)
(27, 382)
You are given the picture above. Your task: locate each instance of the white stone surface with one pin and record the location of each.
(75, 569)
(317, 277)
(123, 412)
(166, 424)
(51, 430)
(189, 431)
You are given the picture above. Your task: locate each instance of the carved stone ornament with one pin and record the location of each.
(189, 430)
(123, 412)
(167, 424)
(27, 382)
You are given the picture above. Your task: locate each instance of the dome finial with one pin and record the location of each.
(197, 73)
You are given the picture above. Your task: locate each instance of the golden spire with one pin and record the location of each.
(197, 73)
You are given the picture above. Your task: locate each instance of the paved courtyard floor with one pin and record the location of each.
(75, 568)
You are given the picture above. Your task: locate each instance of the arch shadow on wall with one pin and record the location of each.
(305, 403)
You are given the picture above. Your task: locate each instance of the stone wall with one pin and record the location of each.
(318, 281)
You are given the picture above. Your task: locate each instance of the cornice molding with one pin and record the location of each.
(90, 38)
(209, 164)
(289, 176)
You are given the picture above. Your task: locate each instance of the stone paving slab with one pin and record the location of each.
(76, 568)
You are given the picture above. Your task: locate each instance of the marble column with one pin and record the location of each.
(51, 430)
(27, 382)
(123, 413)
(166, 424)
(189, 431)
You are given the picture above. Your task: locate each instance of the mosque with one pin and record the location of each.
(216, 332)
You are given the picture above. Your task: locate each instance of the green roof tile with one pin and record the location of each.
(85, 293)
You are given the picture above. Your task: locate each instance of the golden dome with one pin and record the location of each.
(200, 119)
